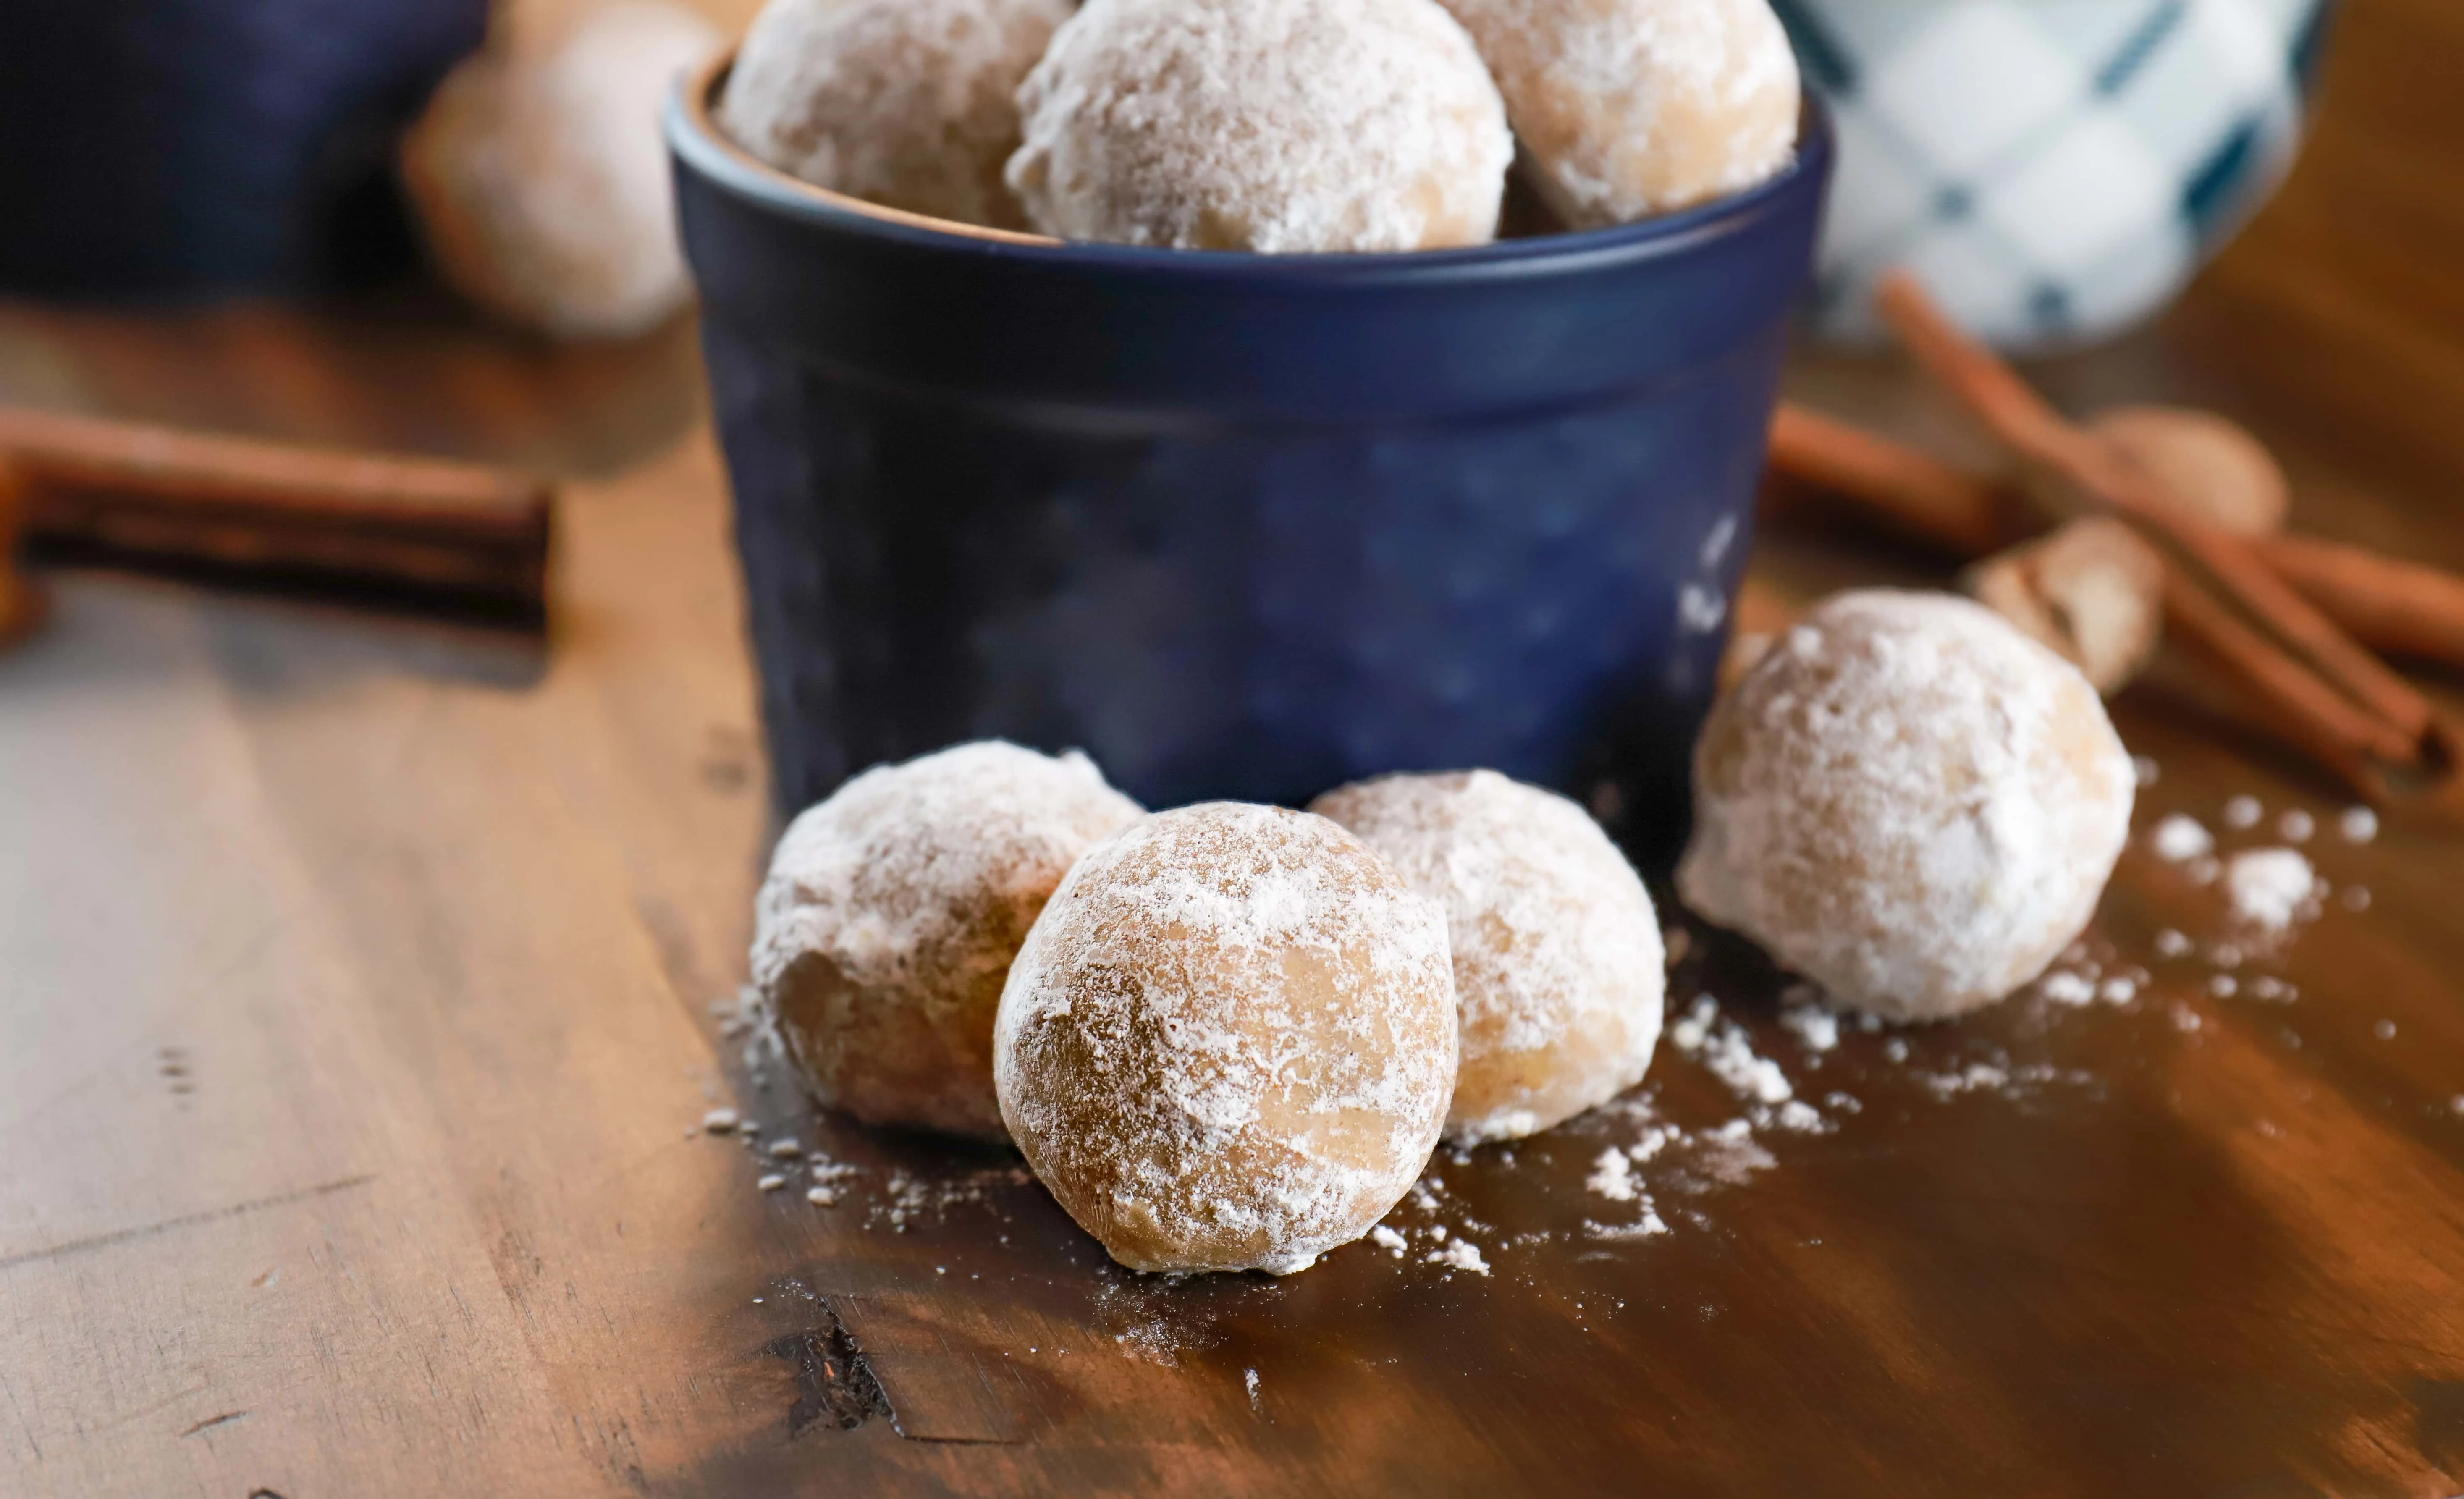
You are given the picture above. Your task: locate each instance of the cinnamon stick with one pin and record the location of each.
(1920, 493)
(2075, 470)
(2395, 605)
(120, 490)
(21, 602)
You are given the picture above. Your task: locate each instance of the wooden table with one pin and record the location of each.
(356, 987)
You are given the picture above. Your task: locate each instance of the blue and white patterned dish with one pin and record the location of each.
(2053, 170)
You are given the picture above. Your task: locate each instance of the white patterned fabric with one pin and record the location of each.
(2053, 170)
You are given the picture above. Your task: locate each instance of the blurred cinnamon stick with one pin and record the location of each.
(21, 598)
(121, 491)
(2393, 606)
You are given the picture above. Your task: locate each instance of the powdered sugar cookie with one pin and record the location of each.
(1228, 1042)
(1558, 970)
(1910, 801)
(908, 103)
(1626, 108)
(1276, 125)
(539, 180)
(892, 912)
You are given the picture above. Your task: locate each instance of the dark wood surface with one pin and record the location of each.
(355, 977)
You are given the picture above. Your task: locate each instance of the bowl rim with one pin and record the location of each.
(701, 146)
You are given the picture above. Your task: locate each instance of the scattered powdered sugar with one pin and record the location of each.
(1731, 1058)
(771, 1183)
(1388, 1240)
(2171, 943)
(2296, 826)
(721, 1121)
(2178, 839)
(1816, 1026)
(2145, 769)
(1147, 1044)
(1910, 801)
(2004, 1080)
(1460, 1254)
(907, 1197)
(2358, 824)
(2268, 886)
(1270, 125)
(1613, 1176)
(1249, 1382)
(2243, 812)
(1690, 1031)
(1729, 1154)
(2064, 987)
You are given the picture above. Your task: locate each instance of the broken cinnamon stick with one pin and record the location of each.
(120, 491)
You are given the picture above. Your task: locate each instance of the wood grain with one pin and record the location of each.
(356, 980)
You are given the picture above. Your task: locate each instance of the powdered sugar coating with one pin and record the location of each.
(1229, 1041)
(1559, 975)
(1910, 801)
(1626, 108)
(892, 910)
(541, 185)
(910, 103)
(1274, 125)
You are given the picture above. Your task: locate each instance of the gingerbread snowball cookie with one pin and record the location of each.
(1275, 126)
(538, 178)
(1557, 962)
(892, 910)
(1626, 108)
(1229, 1041)
(908, 103)
(1908, 801)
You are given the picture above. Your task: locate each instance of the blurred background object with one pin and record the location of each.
(540, 179)
(2053, 170)
(177, 149)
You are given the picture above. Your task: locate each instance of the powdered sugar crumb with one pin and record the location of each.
(1732, 1059)
(1816, 1027)
(2268, 886)
(2064, 988)
(1462, 1254)
(2178, 839)
(1613, 1176)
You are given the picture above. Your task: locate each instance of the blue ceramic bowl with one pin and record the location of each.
(1238, 525)
(169, 149)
